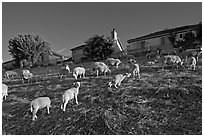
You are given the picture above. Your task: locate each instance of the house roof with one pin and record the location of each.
(10, 61)
(163, 33)
(79, 47)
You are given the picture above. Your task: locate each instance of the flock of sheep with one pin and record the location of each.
(101, 67)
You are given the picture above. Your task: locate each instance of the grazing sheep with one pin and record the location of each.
(27, 75)
(9, 74)
(70, 94)
(4, 91)
(40, 103)
(113, 62)
(150, 63)
(191, 63)
(64, 71)
(118, 79)
(102, 69)
(79, 71)
(136, 70)
(96, 64)
(199, 54)
(171, 59)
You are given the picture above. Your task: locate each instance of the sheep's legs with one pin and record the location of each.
(48, 109)
(76, 99)
(65, 104)
(34, 113)
(97, 73)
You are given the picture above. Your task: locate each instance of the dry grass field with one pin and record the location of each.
(165, 102)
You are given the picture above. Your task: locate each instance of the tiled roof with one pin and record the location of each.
(163, 32)
(79, 47)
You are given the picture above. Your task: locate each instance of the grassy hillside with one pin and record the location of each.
(161, 102)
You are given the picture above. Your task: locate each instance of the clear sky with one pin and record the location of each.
(67, 25)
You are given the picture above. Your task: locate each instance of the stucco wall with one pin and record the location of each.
(77, 55)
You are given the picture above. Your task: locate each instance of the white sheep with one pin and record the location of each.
(9, 74)
(191, 63)
(4, 91)
(40, 103)
(118, 79)
(136, 70)
(79, 71)
(64, 71)
(113, 62)
(27, 75)
(171, 59)
(102, 69)
(96, 64)
(70, 94)
(150, 63)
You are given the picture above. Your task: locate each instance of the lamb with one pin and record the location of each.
(136, 70)
(103, 69)
(191, 63)
(9, 74)
(64, 71)
(79, 71)
(171, 59)
(4, 91)
(118, 79)
(27, 75)
(113, 62)
(40, 103)
(70, 94)
(96, 64)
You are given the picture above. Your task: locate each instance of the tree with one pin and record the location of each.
(188, 42)
(199, 33)
(98, 47)
(27, 47)
(172, 37)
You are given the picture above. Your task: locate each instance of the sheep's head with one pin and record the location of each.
(78, 84)
(128, 75)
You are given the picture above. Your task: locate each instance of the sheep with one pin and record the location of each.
(136, 70)
(70, 94)
(103, 69)
(79, 71)
(191, 63)
(118, 79)
(26, 75)
(64, 71)
(96, 64)
(199, 54)
(113, 62)
(40, 103)
(150, 63)
(171, 59)
(9, 74)
(4, 91)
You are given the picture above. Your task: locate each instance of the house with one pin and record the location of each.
(8, 64)
(78, 54)
(156, 40)
(53, 58)
(44, 60)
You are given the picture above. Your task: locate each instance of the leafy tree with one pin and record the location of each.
(188, 42)
(172, 37)
(27, 47)
(199, 33)
(98, 47)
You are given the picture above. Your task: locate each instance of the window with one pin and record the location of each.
(162, 41)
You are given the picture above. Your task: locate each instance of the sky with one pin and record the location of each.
(66, 25)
